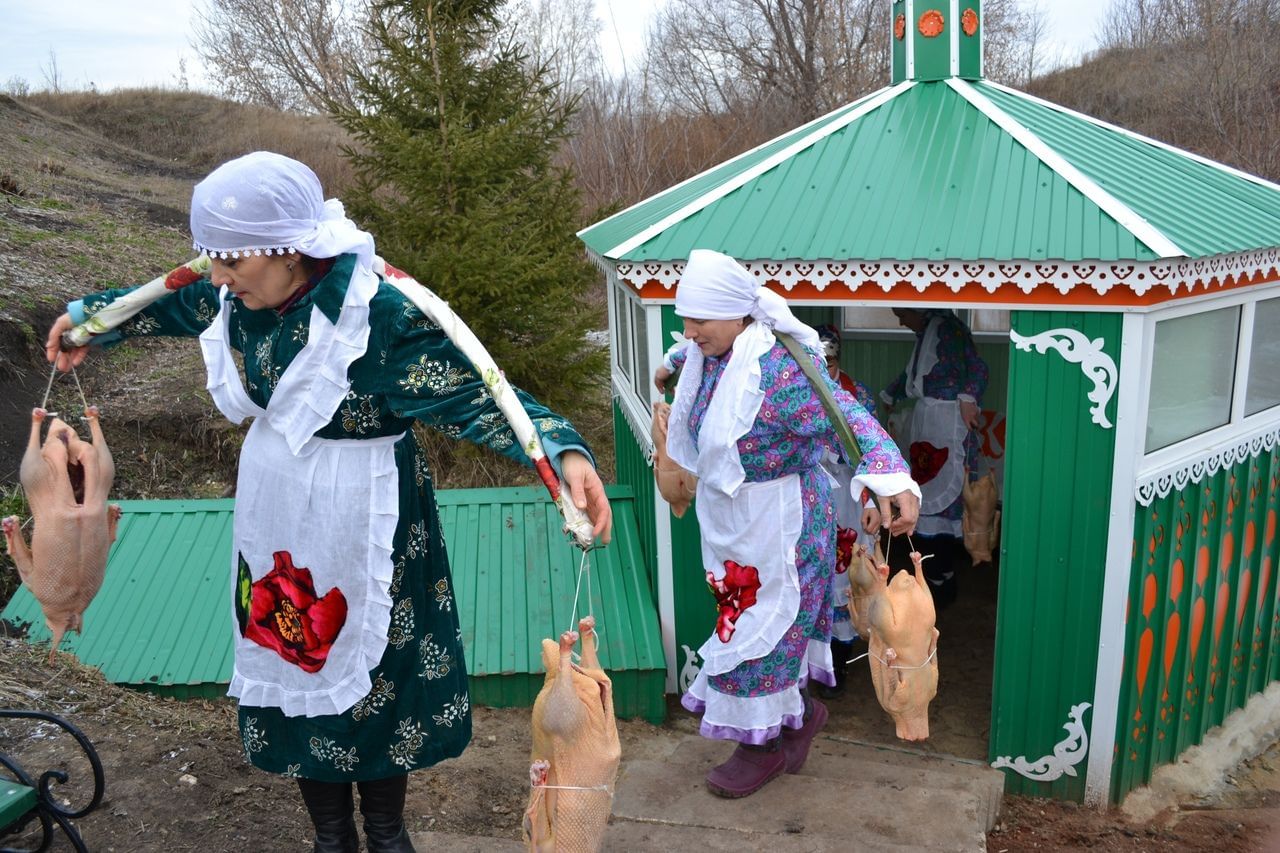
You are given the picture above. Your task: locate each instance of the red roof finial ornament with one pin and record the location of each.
(931, 24)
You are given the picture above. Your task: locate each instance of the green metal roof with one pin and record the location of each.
(952, 170)
(162, 619)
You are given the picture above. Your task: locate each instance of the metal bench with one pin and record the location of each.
(24, 798)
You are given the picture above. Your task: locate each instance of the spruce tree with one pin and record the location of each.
(456, 180)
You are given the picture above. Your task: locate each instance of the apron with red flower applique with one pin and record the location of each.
(314, 523)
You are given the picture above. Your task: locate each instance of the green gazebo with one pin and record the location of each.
(1127, 298)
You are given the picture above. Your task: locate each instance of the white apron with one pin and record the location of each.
(935, 428)
(749, 548)
(330, 506)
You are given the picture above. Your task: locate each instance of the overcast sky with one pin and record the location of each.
(114, 44)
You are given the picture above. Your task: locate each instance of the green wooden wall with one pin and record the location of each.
(1203, 627)
(1053, 550)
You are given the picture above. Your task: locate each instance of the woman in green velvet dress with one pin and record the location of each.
(349, 659)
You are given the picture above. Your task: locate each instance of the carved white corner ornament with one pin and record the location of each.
(1076, 348)
(690, 670)
(1066, 755)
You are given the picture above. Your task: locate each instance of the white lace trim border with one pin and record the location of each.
(1163, 482)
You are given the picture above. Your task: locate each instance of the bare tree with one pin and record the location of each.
(51, 73)
(287, 54)
(562, 36)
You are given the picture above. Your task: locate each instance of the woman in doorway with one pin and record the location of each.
(945, 377)
(749, 423)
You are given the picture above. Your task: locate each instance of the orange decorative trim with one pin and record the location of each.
(969, 22)
(1048, 283)
(900, 27)
(931, 24)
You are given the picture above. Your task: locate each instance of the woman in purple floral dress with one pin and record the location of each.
(748, 422)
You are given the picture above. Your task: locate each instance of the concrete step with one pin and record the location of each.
(848, 796)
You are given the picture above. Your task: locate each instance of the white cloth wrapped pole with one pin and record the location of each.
(576, 522)
(123, 308)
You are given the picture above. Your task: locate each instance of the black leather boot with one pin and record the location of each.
(332, 808)
(382, 804)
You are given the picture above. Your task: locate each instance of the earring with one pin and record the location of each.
(289, 266)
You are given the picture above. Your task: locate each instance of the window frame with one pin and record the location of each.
(901, 333)
(1238, 425)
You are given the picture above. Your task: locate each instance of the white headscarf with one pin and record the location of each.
(716, 287)
(265, 203)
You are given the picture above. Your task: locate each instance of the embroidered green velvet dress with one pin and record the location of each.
(418, 710)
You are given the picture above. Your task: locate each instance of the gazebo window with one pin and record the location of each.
(877, 319)
(1192, 375)
(1264, 361)
(630, 343)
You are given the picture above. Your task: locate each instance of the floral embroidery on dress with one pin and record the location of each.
(397, 576)
(550, 424)
(416, 541)
(404, 752)
(453, 711)
(420, 471)
(205, 312)
(383, 692)
(417, 320)
(301, 333)
(443, 598)
(255, 740)
(401, 631)
(359, 414)
(436, 659)
(438, 377)
(141, 325)
(293, 771)
(324, 749)
(267, 367)
(498, 433)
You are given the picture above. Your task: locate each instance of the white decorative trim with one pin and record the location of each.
(1076, 348)
(1128, 218)
(626, 402)
(1175, 477)
(867, 105)
(1066, 754)
(689, 672)
(1118, 566)
(1179, 278)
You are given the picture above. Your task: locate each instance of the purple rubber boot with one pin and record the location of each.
(796, 742)
(747, 770)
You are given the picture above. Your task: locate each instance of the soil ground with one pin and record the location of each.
(176, 779)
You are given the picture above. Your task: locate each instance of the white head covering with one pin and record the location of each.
(265, 203)
(716, 287)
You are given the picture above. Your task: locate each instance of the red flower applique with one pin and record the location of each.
(734, 595)
(285, 615)
(180, 278)
(900, 27)
(927, 461)
(969, 22)
(845, 539)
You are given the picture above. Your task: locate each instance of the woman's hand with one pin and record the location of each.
(587, 493)
(871, 520)
(908, 512)
(53, 351)
(660, 377)
(969, 414)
